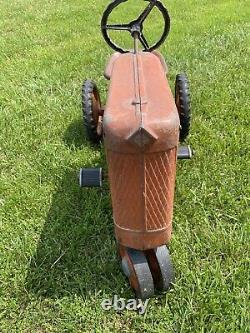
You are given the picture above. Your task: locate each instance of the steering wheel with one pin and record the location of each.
(135, 27)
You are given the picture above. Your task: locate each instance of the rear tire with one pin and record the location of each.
(182, 101)
(91, 107)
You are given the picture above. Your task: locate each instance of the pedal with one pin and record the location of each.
(91, 177)
(184, 153)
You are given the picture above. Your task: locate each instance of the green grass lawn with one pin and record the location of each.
(57, 249)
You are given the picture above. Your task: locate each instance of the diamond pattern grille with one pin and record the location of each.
(126, 188)
(159, 189)
(142, 188)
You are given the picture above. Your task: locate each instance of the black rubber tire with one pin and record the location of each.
(161, 267)
(91, 106)
(141, 269)
(183, 103)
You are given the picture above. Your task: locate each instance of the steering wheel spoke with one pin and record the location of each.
(143, 41)
(146, 12)
(121, 27)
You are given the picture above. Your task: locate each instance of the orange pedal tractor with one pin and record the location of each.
(141, 126)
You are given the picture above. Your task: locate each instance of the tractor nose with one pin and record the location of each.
(142, 137)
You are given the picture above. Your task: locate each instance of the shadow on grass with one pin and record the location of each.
(75, 135)
(76, 253)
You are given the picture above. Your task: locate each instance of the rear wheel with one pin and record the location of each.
(182, 101)
(92, 113)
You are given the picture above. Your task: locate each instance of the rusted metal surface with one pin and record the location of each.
(141, 133)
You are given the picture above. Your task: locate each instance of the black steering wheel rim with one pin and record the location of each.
(128, 27)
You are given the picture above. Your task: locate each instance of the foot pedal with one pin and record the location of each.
(90, 177)
(184, 153)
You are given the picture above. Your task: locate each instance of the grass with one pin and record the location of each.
(58, 254)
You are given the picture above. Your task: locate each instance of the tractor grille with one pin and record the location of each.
(159, 188)
(142, 188)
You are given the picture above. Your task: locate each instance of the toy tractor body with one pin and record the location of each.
(141, 135)
(141, 125)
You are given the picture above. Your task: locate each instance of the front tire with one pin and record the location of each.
(136, 269)
(161, 267)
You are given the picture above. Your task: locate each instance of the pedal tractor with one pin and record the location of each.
(141, 126)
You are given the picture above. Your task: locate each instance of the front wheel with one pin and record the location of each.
(161, 267)
(182, 101)
(136, 269)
